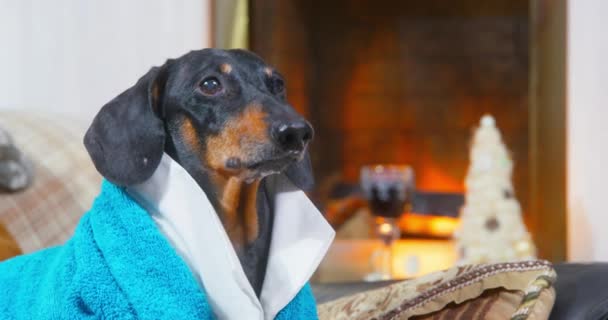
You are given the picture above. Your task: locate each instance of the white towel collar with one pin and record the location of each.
(300, 239)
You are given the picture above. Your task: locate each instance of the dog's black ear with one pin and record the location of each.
(300, 173)
(126, 139)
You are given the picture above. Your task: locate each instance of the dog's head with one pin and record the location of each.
(220, 110)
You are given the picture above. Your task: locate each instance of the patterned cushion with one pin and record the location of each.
(65, 180)
(519, 290)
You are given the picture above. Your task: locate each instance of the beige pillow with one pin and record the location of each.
(516, 290)
(64, 185)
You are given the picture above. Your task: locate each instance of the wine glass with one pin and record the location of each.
(388, 190)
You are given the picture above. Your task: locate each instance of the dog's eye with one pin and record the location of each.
(211, 86)
(276, 85)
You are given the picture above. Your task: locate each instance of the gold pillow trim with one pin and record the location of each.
(471, 275)
(533, 293)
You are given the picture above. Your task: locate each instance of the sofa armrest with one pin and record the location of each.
(582, 291)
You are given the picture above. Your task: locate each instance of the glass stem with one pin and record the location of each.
(390, 260)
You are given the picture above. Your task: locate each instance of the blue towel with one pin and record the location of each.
(116, 266)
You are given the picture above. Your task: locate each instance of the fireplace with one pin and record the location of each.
(403, 81)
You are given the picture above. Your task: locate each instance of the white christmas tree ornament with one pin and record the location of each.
(491, 227)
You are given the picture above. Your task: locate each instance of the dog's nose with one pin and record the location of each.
(293, 136)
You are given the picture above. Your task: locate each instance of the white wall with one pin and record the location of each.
(588, 130)
(72, 56)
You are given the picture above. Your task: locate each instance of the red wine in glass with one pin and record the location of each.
(388, 203)
(388, 189)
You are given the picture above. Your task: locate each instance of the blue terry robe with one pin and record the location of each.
(117, 265)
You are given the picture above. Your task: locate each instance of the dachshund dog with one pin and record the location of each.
(223, 116)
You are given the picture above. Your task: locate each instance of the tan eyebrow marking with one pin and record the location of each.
(225, 68)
